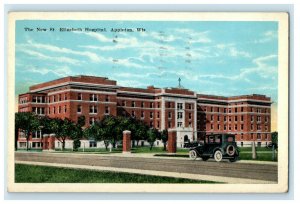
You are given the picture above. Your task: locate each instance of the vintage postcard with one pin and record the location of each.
(148, 102)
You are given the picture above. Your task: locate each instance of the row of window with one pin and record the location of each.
(235, 110)
(63, 97)
(259, 136)
(258, 118)
(93, 109)
(258, 127)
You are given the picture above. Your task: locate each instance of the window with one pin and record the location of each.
(65, 108)
(252, 118)
(179, 124)
(106, 110)
(229, 118)
(22, 144)
(79, 109)
(151, 114)
(93, 144)
(79, 97)
(242, 118)
(242, 126)
(179, 106)
(258, 127)
(229, 110)
(235, 118)
(59, 97)
(190, 115)
(54, 110)
(36, 144)
(224, 127)
(169, 114)
(259, 110)
(93, 109)
(169, 124)
(266, 128)
(65, 97)
(258, 118)
(92, 121)
(229, 127)
(158, 105)
(142, 114)
(34, 99)
(190, 124)
(106, 98)
(123, 103)
(252, 109)
(212, 117)
(157, 114)
(179, 115)
(132, 104)
(189, 106)
(132, 114)
(151, 105)
(212, 126)
(235, 110)
(37, 134)
(224, 110)
(53, 98)
(93, 97)
(151, 124)
(242, 109)
(266, 119)
(59, 109)
(157, 124)
(169, 104)
(142, 104)
(258, 136)
(225, 118)
(211, 109)
(252, 126)
(235, 127)
(218, 109)
(218, 127)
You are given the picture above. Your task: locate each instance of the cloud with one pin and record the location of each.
(41, 56)
(92, 56)
(267, 37)
(60, 71)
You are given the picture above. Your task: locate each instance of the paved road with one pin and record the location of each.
(235, 170)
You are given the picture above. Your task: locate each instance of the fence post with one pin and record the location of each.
(253, 151)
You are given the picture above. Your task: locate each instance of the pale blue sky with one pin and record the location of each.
(221, 58)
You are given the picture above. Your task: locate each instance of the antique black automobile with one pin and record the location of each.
(217, 146)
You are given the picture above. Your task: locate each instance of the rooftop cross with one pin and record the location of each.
(179, 84)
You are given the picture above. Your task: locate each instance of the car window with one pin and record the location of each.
(230, 139)
(218, 139)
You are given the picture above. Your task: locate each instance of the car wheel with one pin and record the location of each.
(230, 150)
(205, 158)
(193, 154)
(218, 156)
(233, 159)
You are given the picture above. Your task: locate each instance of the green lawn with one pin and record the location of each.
(44, 174)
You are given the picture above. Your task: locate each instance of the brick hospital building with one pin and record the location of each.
(192, 115)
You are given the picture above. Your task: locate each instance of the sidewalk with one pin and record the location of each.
(151, 155)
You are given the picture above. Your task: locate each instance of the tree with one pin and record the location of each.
(164, 138)
(141, 131)
(76, 135)
(152, 134)
(62, 128)
(98, 132)
(274, 137)
(28, 122)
